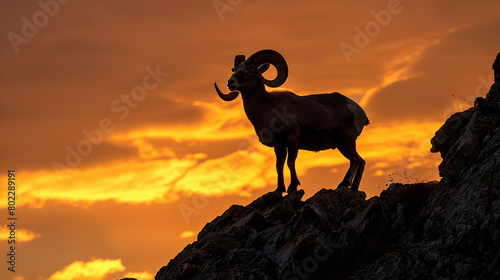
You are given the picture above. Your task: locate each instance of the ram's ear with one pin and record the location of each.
(238, 59)
(264, 67)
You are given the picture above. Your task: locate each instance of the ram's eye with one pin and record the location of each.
(232, 70)
(251, 72)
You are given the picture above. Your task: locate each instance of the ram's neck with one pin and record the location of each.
(256, 105)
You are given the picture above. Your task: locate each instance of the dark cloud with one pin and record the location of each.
(90, 54)
(36, 139)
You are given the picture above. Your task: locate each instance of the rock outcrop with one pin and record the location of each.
(436, 230)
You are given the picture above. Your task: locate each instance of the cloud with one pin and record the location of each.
(237, 173)
(22, 235)
(81, 69)
(96, 269)
(135, 181)
(187, 234)
(220, 122)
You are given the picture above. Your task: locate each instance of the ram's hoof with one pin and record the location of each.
(291, 189)
(280, 189)
(343, 185)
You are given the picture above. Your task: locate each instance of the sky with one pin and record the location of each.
(123, 151)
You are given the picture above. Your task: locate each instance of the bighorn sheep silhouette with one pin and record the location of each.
(288, 122)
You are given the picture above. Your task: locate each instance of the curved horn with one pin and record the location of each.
(226, 97)
(275, 59)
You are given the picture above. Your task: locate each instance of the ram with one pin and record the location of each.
(289, 122)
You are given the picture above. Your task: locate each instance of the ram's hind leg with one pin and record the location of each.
(359, 174)
(348, 149)
(280, 163)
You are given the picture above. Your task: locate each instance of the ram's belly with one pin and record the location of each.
(317, 140)
(309, 138)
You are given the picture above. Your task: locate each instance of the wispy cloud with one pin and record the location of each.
(187, 234)
(135, 181)
(21, 235)
(220, 122)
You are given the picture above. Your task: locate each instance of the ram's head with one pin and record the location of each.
(247, 74)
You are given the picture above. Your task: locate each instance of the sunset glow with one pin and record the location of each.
(123, 151)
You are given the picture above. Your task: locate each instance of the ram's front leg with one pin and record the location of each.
(293, 150)
(280, 163)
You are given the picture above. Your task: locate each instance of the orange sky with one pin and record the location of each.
(123, 151)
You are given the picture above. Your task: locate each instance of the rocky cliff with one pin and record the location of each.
(436, 230)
